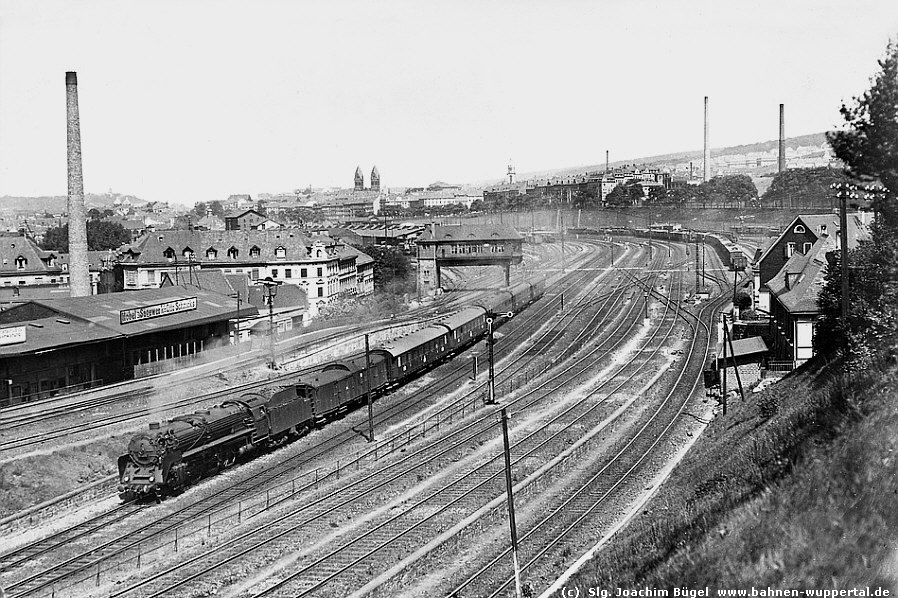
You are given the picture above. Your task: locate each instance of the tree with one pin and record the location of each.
(869, 147)
(392, 269)
(800, 187)
(199, 210)
(101, 235)
(625, 194)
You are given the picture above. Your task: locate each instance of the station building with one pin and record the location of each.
(48, 346)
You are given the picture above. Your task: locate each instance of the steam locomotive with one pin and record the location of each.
(173, 455)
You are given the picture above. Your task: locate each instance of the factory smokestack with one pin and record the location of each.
(782, 157)
(607, 154)
(707, 147)
(79, 274)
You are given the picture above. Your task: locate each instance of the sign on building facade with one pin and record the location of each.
(154, 311)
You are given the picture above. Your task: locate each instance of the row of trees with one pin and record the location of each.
(737, 189)
(101, 235)
(868, 148)
(803, 187)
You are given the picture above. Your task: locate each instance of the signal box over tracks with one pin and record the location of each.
(465, 245)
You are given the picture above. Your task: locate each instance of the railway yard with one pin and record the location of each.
(601, 377)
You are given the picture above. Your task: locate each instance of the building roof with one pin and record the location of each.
(753, 345)
(209, 280)
(800, 280)
(240, 213)
(106, 311)
(43, 334)
(289, 296)
(469, 232)
(13, 246)
(150, 248)
(857, 229)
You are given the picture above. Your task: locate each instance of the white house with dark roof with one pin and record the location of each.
(321, 266)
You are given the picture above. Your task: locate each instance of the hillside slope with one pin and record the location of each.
(797, 487)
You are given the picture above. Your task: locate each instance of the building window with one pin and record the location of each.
(303, 272)
(21, 262)
(274, 272)
(790, 249)
(169, 253)
(807, 247)
(254, 274)
(288, 273)
(188, 253)
(280, 252)
(799, 229)
(320, 271)
(254, 251)
(321, 291)
(211, 253)
(130, 278)
(233, 253)
(822, 229)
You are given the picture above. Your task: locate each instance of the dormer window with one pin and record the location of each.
(21, 262)
(822, 229)
(211, 253)
(799, 229)
(233, 253)
(280, 252)
(169, 254)
(188, 253)
(254, 251)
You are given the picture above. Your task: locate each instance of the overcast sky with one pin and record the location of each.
(188, 100)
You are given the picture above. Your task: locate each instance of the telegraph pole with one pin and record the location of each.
(368, 391)
(844, 191)
(723, 388)
(511, 518)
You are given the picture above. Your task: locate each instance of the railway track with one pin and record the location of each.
(315, 506)
(472, 489)
(75, 565)
(540, 545)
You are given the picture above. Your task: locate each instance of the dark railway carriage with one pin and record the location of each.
(412, 353)
(340, 384)
(465, 326)
(521, 295)
(498, 302)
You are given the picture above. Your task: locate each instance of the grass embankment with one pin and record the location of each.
(795, 488)
(32, 480)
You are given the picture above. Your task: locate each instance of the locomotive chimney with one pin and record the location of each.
(782, 156)
(707, 147)
(79, 274)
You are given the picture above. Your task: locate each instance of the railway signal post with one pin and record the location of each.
(271, 291)
(491, 387)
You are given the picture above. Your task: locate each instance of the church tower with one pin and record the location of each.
(359, 179)
(375, 179)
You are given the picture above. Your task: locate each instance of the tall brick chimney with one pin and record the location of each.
(79, 273)
(707, 147)
(782, 157)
